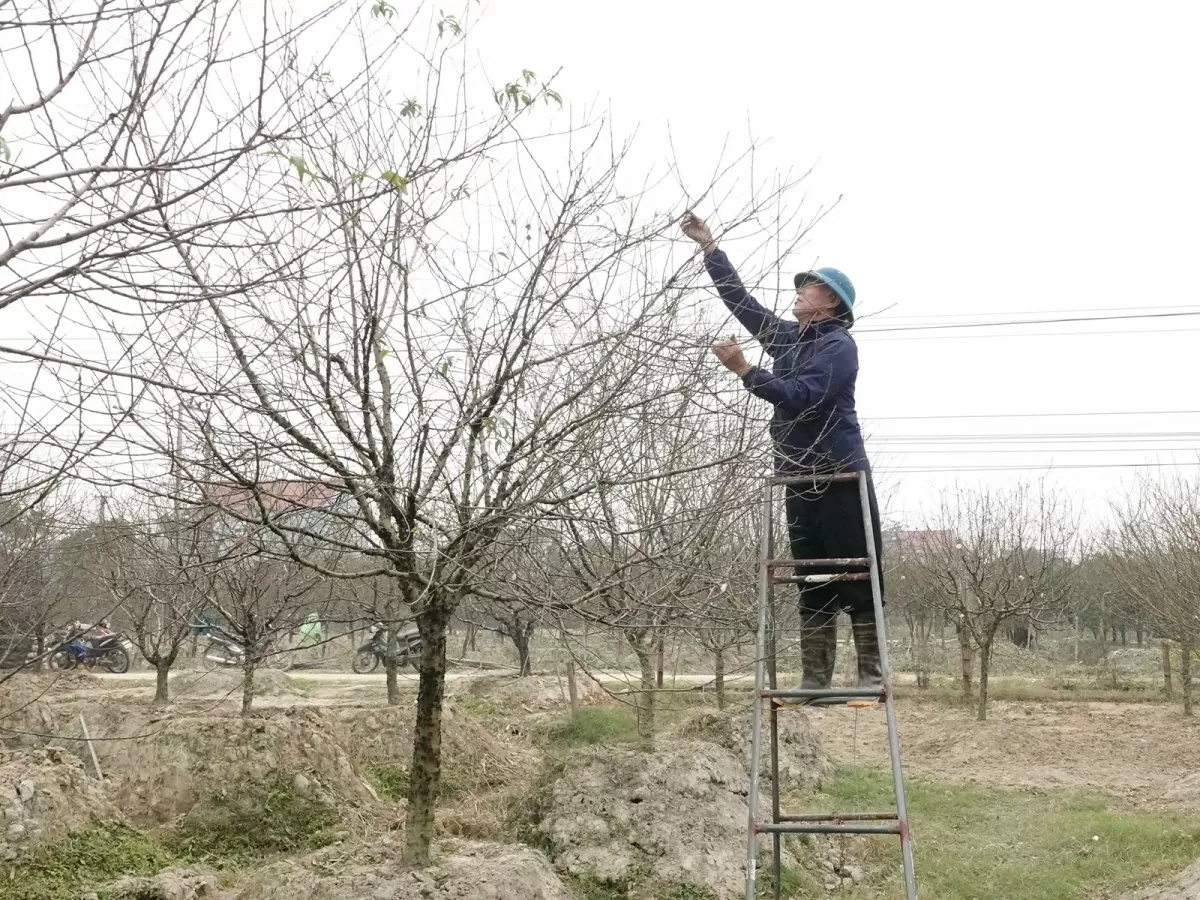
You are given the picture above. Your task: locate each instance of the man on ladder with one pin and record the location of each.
(815, 431)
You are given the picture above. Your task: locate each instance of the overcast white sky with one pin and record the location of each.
(994, 164)
(998, 162)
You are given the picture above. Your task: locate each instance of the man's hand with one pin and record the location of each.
(697, 229)
(729, 352)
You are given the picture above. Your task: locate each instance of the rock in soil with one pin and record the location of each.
(651, 822)
(169, 884)
(44, 795)
(803, 764)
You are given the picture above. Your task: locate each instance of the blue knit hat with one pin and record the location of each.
(835, 280)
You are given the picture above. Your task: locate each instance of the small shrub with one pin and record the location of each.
(81, 862)
(390, 780)
(260, 819)
(594, 725)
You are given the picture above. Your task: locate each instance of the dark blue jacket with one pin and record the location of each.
(811, 382)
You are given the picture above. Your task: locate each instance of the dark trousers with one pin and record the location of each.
(827, 523)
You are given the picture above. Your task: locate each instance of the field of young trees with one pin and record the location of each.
(323, 336)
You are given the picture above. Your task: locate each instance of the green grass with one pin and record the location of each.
(83, 861)
(979, 843)
(390, 780)
(1044, 690)
(595, 725)
(253, 821)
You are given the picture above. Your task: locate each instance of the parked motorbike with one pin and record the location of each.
(223, 650)
(375, 651)
(90, 646)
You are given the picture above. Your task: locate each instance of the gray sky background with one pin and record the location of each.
(995, 163)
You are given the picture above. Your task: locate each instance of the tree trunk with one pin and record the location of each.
(1185, 675)
(520, 637)
(1168, 688)
(645, 702)
(572, 687)
(985, 659)
(39, 634)
(426, 771)
(1139, 633)
(967, 657)
(247, 685)
(162, 672)
(719, 676)
(660, 661)
(390, 670)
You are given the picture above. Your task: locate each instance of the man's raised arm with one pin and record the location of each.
(755, 318)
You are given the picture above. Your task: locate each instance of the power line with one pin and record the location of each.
(1038, 415)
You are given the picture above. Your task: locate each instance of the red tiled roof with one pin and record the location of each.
(276, 496)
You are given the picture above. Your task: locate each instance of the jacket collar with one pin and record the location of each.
(814, 330)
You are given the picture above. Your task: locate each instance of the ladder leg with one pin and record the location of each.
(764, 600)
(773, 714)
(910, 882)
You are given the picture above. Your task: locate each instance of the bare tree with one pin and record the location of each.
(27, 605)
(996, 556)
(1154, 558)
(640, 557)
(158, 569)
(121, 113)
(435, 318)
(912, 595)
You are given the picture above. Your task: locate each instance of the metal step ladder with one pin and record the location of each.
(769, 698)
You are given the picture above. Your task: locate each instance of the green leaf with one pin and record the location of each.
(448, 23)
(396, 180)
(528, 76)
(553, 95)
(4, 151)
(382, 8)
(410, 108)
(383, 352)
(489, 423)
(297, 162)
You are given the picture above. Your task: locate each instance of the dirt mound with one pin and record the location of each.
(45, 795)
(27, 715)
(1185, 887)
(466, 871)
(474, 757)
(1185, 792)
(648, 823)
(228, 683)
(803, 764)
(169, 884)
(532, 693)
(177, 761)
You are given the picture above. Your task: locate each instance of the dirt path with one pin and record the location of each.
(1143, 752)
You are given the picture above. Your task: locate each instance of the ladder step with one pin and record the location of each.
(810, 563)
(822, 579)
(891, 827)
(826, 695)
(815, 479)
(889, 816)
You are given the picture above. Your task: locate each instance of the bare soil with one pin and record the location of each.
(1143, 752)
